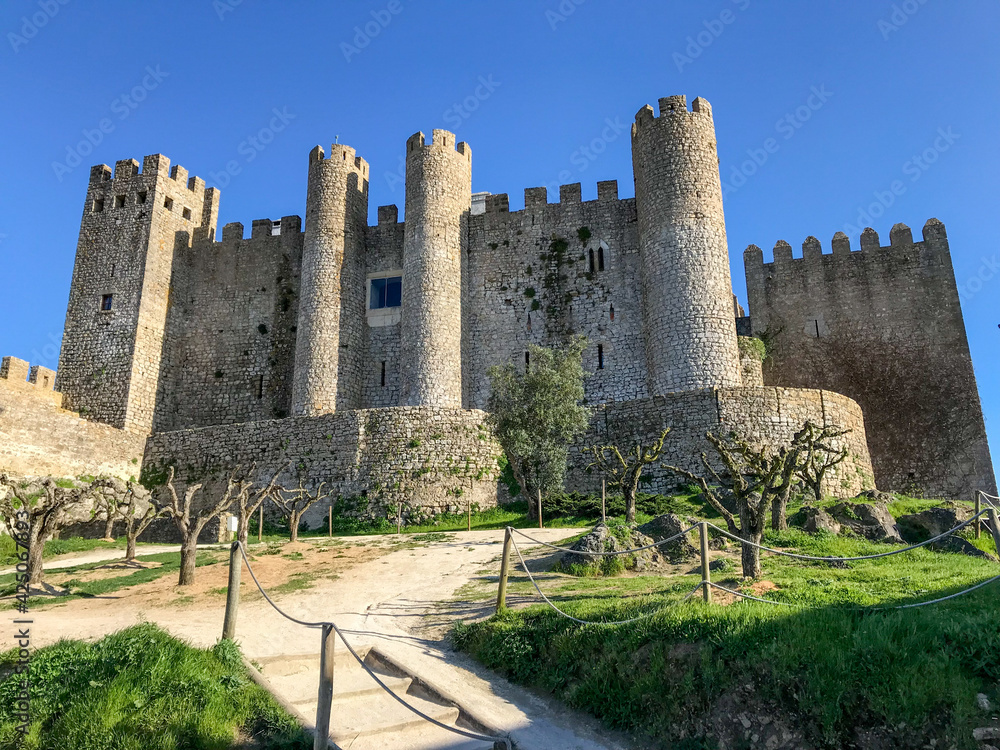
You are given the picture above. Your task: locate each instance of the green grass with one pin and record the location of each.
(830, 668)
(170, 565)
(141, 689)
(53, 547)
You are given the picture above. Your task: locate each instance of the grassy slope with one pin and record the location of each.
(140, 689)
(831, 668)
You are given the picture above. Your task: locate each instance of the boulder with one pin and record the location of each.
(874, 496)
(601, 539)
(664, 527)
(918, 527)
(817, 519)
(871, 520)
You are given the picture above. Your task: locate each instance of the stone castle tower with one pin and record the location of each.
(359, 354)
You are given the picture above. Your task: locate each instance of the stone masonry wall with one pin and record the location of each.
(231, 328)
(883, 326)
(430, 459)
(39, 437)
(549, 272)
(687, 292)
(438, 202)
(769, 416)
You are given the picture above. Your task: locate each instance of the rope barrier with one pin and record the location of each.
(590, 622)
(847, 559)
(969, 590)
(605, 554)
(455, 730)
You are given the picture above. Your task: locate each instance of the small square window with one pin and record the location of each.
(119, 201)
(106, 302)
(168, 203)
(187, 213)
(386, 292)
(140, 197)
(98, 205)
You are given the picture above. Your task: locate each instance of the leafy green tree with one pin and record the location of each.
(537, 413)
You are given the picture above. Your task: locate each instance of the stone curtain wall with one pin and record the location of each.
(882, 325)
(39, 437)
(431, 459)
(231, 328)
(529, 280)
(767, 415)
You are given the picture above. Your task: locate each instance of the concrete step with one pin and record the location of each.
(348, 683)
(428, 737)
(277, 666)
(380, 715)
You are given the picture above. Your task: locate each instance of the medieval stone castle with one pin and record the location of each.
(359, 354)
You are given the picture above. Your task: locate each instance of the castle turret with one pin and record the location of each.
(329, 341)
(109, 365)
(438, 202)
(688, 321)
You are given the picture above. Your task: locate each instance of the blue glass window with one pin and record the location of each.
(386, 293)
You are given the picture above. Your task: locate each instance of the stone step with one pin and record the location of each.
(428, 737)
(278, 666)
(348, 683)
(380, 715)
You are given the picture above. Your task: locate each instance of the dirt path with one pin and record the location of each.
(72, 559)
(378, 591)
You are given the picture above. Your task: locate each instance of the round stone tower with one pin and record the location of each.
(329, 342)
(688, 314)
(438, 201)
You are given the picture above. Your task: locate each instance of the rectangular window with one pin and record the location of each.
(119, 201)
(600, 356)
(140, 197)
(168, 203)
(187, 214)
(98, 205)
(106, 301)
(386, 293)
(383, 374)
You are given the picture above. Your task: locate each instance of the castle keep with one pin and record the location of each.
(359, 354)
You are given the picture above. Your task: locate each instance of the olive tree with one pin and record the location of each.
(820, 454)
(625, 469)
(536, 413)
(755, 475)
(297, 501)
(35, 508)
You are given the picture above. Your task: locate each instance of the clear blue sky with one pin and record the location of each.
(556, 74)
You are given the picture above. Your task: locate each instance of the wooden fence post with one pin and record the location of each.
(260, 523)
(540, 508)
(504, 570)
(706, 578)
(979, 509)
(325, 704)
(604, 507)
(233, 592)
(995, 529)
(399, 518)
(329, 521)
(468, 506)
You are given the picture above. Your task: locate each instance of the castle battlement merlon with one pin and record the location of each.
(935, 238)
(443, 139)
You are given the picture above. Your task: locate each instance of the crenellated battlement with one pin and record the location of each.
(440, 139)
(30, 380)
(670, 107)
(342, 154)
(286, 226)
(900, 239)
